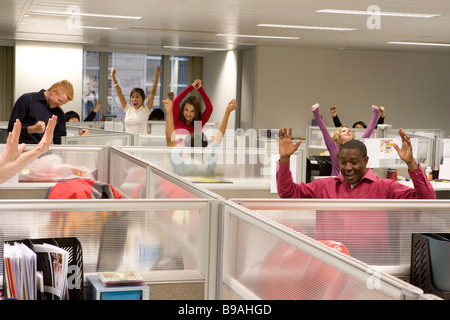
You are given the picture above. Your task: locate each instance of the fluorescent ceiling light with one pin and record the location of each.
(436, 44)
(305, 27)
(193, 48)
(388, 14)
(65, 26)
(65, 13)
(254, 36)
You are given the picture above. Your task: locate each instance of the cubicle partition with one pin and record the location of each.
(226, 172)
(424, 154)
(166, 241)
(150, 140)
(60, 163)
(83, 124)
(267, 259)
(135, 177)
(97, 137)
(375, 232)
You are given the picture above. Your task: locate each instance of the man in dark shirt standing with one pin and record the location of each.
(35, 108)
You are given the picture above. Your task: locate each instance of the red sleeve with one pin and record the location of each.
(208, 106)
(177, 104)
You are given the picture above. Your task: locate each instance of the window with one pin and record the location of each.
(91, 76)
(178, 74)
(133, 71)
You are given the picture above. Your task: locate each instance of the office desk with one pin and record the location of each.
(442, 189)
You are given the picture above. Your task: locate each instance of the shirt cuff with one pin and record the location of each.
(417, 173)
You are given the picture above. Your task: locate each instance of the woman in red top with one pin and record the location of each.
(190, 111)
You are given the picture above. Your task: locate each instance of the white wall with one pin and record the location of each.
(220, 83)
(41, 64)
(413, 87)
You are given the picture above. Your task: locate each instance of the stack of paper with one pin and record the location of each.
(24, 266)
(20, 272)
(54, 263)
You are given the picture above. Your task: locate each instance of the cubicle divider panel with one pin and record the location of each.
(162, 240)
(375, 232)
(136, 177)
(150, 140)
(84, 124)
(425, 153)
(262, 259)
(104, 139)
(221, 170)
(62, 162)
(128, 175)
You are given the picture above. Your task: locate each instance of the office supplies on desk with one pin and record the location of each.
(96, 290)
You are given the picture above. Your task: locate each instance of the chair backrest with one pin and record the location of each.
(324, 163)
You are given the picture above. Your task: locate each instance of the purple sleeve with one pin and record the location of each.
(332, 147)
(372, 123)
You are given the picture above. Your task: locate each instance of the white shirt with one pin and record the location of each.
(136, 119)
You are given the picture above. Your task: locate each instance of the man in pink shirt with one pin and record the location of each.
(355, 180)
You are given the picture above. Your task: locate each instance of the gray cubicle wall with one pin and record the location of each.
(200, 249)
(262, 259)
(98, 137)
(425, 153)
(441, 152)
(135, 177)
(235, 172)
(376, 232)
(59, 163)
(168, 242)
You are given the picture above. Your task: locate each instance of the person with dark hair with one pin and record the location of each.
(355, 181)
(194, 139)
(72, 116)
(136, 114)
(156, 115)
(190, 111)
(357, 124)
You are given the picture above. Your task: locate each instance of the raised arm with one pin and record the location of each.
(382, 114)
(285, 145)
(220, 133)
(373, 122)
(13, 159)
(151, 98)
(208, 105)
(406, 153)
(170, 127)
(326, 135)
(122, 99)
(336, 121)
(94, 112)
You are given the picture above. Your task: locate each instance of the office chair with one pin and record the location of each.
(324, 163)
